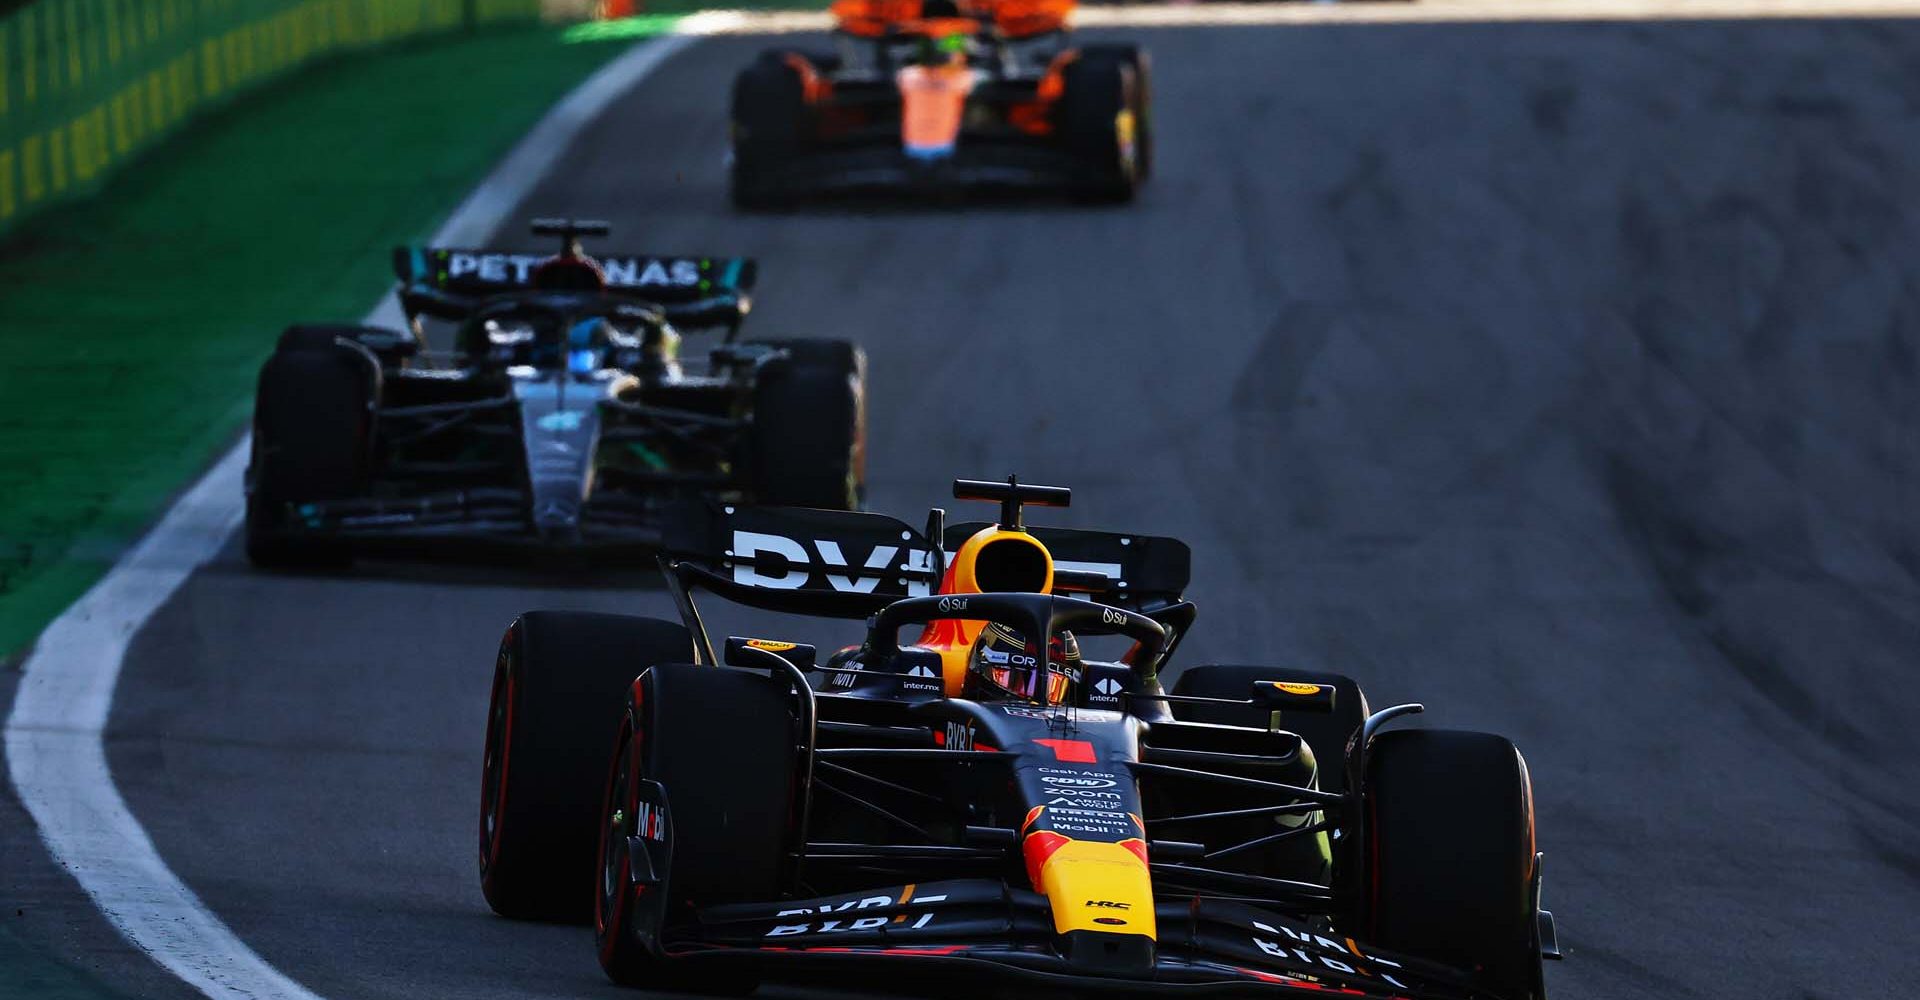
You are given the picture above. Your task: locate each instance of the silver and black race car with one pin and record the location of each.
(568, 415)
(987, 805)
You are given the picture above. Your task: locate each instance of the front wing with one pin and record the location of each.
(497, 520)
(880, 166)
(970, 932)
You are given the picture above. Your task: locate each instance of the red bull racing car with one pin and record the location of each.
(942, 94)
(986, 805)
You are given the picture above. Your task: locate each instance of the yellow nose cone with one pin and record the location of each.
(1093, 886)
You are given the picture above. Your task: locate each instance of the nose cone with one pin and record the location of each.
(556, 520)
(1102, 900)
(560, 428)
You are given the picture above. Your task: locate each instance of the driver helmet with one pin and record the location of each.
(940, 50)
(586, 343)
(1004, 666)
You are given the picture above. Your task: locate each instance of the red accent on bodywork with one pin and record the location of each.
(1137, 846)
(942, 950)
(814, 85)
(944, 631)
(1037, 848)
(1035, 117)
(1071, 751)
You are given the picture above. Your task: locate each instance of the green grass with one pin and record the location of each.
(132, 323)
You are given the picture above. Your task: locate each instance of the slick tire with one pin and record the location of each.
(1097, 88)
(808, 439)
(391, 347)
(1327, 734)
(1450, 856)
(559, 693)
(722, 742)
(1141, 64)
(769, 108)
(313, 418)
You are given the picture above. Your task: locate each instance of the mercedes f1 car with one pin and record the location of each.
(941, 94)
(567, 416)
(986, 803)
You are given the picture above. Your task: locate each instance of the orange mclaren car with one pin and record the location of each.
(943, 94)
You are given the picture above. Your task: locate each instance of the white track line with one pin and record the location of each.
(54, 734)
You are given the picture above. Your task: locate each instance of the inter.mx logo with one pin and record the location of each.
(752, 567)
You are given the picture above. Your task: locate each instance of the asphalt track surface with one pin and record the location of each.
(1561, 377)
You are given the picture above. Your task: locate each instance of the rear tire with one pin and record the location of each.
(1099, 124)
(1450, 848)
(769, 106)
(1326, 734)
(721, 742)
(392, 348)
(558, 688)
(313, 416)
(808, 440)
(1137, 59)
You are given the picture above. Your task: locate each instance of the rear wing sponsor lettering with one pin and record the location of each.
(778, 555)
(657, 277)
(869, 560)
(808, 562)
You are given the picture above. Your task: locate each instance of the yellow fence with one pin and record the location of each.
(86, 84)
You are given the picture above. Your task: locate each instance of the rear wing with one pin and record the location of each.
(889, 18)
(851, 564)
(664, 280)
(828, 563)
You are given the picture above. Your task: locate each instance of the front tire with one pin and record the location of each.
(1450, 856)
(558, 687)
(808, 441)
(313, 417)
(722, 743)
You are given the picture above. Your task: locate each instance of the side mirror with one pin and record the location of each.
(724, 309)
(388, 344)
(1293, 696)
(797, 653)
